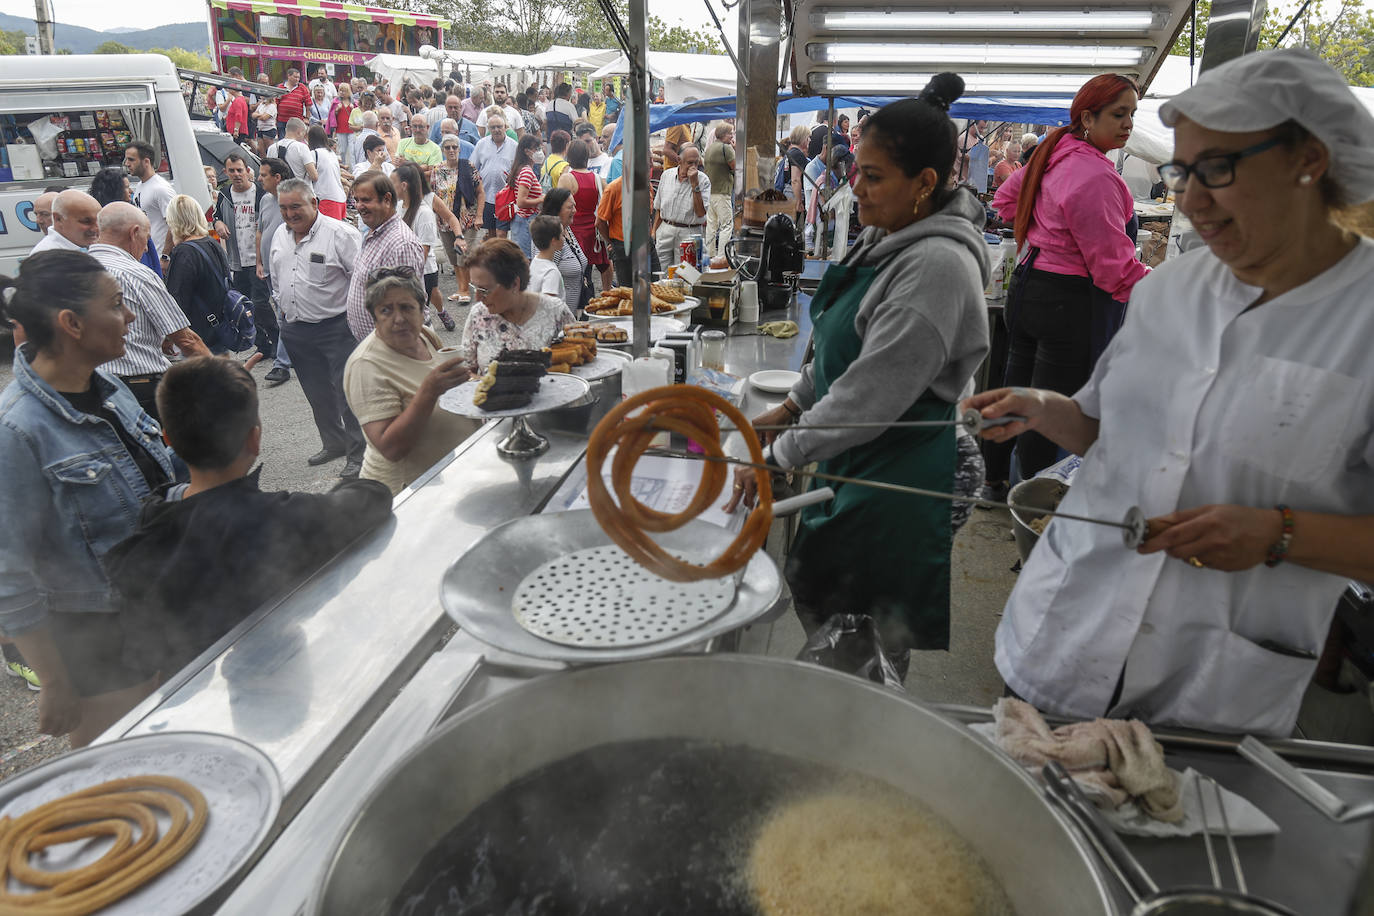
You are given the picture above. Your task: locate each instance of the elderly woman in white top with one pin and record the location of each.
(1236, 407)
(505, 312)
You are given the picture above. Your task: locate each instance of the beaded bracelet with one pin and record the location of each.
(1280, 548)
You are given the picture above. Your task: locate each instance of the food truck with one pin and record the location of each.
(66, 117)
(402, 733)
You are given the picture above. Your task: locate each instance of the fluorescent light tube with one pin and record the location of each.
(929, 20)
(842, 52)
(976, 83)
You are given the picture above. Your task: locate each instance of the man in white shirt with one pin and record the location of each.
(292, 150)
(597, 160)
(680, 205)
(153, 193)
(493, 156)
(512, 116)
(322, 80)
(312, 266)
(42, 210)
(159, 323)
(74, 228)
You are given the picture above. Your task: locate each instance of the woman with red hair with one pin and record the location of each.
(1070, 210)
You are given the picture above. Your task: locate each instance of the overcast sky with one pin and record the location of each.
(102, 14)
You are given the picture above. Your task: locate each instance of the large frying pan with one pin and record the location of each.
(788, 708)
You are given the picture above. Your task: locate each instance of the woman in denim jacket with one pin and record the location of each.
(79, 459)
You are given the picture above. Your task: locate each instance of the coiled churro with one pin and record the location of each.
(112, 808)
(688, 410)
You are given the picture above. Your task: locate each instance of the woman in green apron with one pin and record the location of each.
(899, 328)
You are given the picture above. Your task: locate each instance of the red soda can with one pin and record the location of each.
(689, 253)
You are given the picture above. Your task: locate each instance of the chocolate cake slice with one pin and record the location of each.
(511, 379)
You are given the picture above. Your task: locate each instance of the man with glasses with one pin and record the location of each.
(389, 243)
(418, 148)
(313, 260)
(453, 111)
(494, 155)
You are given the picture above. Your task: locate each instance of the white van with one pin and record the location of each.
(64, 117)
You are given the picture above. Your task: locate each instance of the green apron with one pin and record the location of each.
(868, 551)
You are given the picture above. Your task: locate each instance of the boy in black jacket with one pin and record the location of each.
(207, 554)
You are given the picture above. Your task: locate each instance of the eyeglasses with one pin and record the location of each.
(479, 291)
(404, 271)
(1211, 171)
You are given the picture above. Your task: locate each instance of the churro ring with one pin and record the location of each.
(112, 808)
(690, 411)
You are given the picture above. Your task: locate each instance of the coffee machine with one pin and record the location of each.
(772, 256)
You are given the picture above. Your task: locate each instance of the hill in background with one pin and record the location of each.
(192, 36)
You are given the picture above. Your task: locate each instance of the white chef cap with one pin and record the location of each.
(1263, 90)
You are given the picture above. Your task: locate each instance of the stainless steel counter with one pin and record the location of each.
(301, 680)
(307, 677)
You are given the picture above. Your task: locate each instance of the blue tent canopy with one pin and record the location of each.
(1052, 111)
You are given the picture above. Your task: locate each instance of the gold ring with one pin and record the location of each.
(739, 486)
(1196, 563)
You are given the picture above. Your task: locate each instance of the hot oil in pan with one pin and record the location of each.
(651, 827)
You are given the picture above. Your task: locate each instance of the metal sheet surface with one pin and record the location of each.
(305, 678)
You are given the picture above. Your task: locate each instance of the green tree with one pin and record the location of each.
(186, 60)
(12, 42)
(665, 37)
(1341, 33)
(114, 47)
(531, 26)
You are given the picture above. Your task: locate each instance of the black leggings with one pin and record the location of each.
(1049, 320)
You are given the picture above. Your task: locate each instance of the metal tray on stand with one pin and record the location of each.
(479, 589)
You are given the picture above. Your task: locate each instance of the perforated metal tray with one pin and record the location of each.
(478, 590)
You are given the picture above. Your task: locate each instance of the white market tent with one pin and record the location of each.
(701, 76)
(399, 68)
(560, 57)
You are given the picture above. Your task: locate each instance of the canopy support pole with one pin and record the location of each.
(637, 172)
(756, 115)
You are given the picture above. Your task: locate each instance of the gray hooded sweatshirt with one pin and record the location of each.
(923, 323)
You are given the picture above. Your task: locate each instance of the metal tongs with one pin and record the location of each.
(1149, 899)
(1304, 786)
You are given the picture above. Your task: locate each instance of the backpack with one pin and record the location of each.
(505, 203)
(232, 323)
(780, 182)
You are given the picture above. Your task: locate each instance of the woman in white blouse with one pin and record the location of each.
(1236, 408)
(329, 189)
(505, 312)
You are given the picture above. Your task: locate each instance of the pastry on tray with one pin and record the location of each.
(610, 334)
(511, 379)
(669, 292)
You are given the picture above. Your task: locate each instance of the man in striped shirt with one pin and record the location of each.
(389, 243)
(159, 323)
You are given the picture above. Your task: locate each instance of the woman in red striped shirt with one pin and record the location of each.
(529, 155)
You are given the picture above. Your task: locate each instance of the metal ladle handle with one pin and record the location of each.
(1123, 864)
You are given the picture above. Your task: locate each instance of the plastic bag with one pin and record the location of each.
(850, 643)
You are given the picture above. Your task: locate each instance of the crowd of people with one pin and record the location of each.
(130, 431)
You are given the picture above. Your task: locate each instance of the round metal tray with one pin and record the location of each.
(478, 589)
(240, 785)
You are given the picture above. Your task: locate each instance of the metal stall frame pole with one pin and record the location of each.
(756, 115)
(637, 172)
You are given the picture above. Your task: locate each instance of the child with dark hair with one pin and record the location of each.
(546, 233)
(183, 578)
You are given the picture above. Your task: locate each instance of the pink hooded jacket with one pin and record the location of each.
(1080, 218)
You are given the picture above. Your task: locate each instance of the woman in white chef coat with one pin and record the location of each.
(1236, 408)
